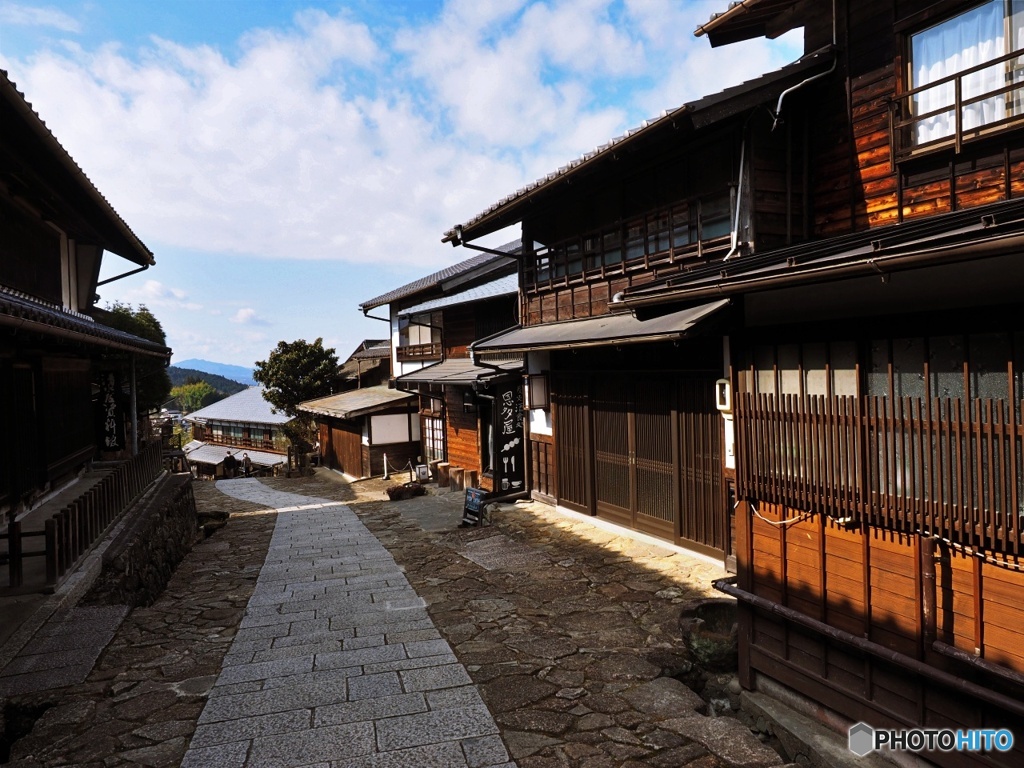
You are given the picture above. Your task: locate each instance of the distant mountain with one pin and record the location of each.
(180, 375)
(233, 372)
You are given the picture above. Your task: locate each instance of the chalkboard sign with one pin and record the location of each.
(471, 514)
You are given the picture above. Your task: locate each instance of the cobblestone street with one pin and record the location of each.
(557, 635)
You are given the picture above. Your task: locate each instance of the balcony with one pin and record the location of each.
(958, 118)
(416, 353)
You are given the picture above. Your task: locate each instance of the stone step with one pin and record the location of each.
(809, 742)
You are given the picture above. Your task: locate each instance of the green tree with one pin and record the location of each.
(153, 383)
(293, 373)
(195, 395)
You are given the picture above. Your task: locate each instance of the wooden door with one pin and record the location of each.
(614, 490)
(571, 421)
(703, 519)
(656, 506)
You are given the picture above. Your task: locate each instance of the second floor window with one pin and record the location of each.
(952, 55)
(420, 329)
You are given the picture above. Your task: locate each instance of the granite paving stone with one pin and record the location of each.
(327, 627)
(326, 694)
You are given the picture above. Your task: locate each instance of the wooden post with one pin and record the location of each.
(51, 551)
(458, 482)
(443, 476)
(472, 478)
(15, 568)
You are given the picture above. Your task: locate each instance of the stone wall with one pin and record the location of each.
(160, 532)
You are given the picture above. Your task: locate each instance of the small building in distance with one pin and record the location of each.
(244, 423)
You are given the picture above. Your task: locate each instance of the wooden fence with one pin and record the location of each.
(949, 468)
(73, 531)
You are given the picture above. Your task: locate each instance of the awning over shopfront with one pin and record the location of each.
(615, 329)
(356, 402)
(457, 370)
(199, 452)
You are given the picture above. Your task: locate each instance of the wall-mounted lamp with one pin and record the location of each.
(468, 401)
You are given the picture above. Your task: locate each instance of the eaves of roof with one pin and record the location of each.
(689, 117)
(948, 238)
(32, 315)
(356, 402)
(475, 266)
(23, 123)
(747, 19)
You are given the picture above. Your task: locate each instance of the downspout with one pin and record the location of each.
(135, 410)
(739, 203)
(777, 114)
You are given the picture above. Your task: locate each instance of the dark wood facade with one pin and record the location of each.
(880, 448)
(874, 357)
(54, 229)
(641, 449)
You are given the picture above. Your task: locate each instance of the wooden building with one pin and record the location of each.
(244, 424)
(434, 320)
(866, 303)
(66, 380)
(362, 428)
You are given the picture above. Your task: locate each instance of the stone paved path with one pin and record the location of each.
(337, 661)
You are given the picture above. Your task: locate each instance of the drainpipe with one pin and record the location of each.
(739, 202)
(777, 114)
(135, 411)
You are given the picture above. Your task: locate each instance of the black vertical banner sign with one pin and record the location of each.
(509, 447)
(110, 413)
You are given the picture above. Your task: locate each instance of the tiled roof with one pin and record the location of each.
(701, 113)
(246, 407)
(199, 452)
(129, 246)
(356, 402)
(379, 350)
(431, 281)
(23, 311)
(503, 286)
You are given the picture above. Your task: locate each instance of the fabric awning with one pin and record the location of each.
(616, 329)
(356, 402)
(457, 370)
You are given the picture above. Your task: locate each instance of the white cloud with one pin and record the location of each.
(34, 16)
(248, 316)
(153, 293)
(330, 140)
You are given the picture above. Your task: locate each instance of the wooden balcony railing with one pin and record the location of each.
(949, 468)
(1008, 99)
(412, 353)
(254, 442)
(74, 530)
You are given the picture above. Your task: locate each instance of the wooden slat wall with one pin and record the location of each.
(542, 464)
(866, 581)
(463, 435)
(949, 467)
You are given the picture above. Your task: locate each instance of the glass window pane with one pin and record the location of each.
(877, 375)
(946, 366)
(612, 247)
(959, 43)
(764, 363)
(789, 369)
(989, 356)
(843, 357)
(908, 367)
(815, 359)
(634, 241)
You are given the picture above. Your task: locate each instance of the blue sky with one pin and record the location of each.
(288, 160)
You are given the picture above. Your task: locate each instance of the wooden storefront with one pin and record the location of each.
(643, 448)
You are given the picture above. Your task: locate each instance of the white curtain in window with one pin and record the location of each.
(963, 42)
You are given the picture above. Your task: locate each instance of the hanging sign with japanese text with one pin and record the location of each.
(509, 447)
